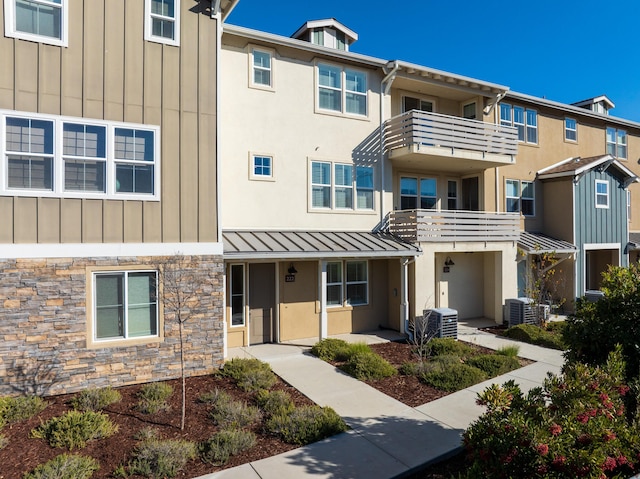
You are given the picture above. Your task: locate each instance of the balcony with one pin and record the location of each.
(419, 139)
(431, 226)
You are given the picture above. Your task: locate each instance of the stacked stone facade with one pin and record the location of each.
(43, 329)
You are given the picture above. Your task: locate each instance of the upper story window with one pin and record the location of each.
(617, 143)
(43, 21)
(418, 193)
(261, 167)
(602, 194)
(524, 119)
(52, 156)
(570, 129)
(520, 197)
(261, 68)
(341, 90)
(410, 103)
(335, 186)
(162, 21)
(329, 37)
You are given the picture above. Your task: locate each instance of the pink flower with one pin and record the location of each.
(558, 462)
(621, 460)
(608, 436)
(583, 418)
(592, 412)
(622, 390)
(603, 397)
(542, 449)
(609, 464)
(620, 411)
(555, 429)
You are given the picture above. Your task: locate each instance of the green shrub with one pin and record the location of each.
(368, 366)
(453, 377)
(306, 424)
(160, 459)
(249, 374)
(234, 414)
(274, 402)
(65, 466)
(331, 349)
(74, 429)
(13, 409)
(511, 351)
(574, 426)
(449, 346)
(215, 396)
(147, 434)
(95, 399)
(532, 334)
(229, 442)
(493, 364)
(153, 397)
(4, 440)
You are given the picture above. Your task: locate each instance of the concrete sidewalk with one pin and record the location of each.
(387, 438)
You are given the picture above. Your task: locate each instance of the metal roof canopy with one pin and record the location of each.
(537, 243)
(274, 245)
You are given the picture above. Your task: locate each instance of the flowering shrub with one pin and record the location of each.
(575, 426)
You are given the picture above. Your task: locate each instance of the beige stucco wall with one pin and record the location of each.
(282, 123)
(109, 72)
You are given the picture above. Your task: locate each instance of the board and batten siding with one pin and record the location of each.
(109, 72)
(600, 225)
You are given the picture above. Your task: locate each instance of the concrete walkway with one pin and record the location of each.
(387, 438)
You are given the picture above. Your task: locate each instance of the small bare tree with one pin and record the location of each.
(544, 284)
(183, 284)
(421, 334)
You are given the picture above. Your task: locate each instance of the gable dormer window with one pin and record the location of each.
(328, 33)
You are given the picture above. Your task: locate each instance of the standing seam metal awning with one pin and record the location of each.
(313, 245)
(537, 243)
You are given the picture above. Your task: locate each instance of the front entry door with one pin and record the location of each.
(261, 302)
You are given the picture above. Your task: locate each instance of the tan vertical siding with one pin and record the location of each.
(109, 72)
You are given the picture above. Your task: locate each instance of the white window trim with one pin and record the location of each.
(58, 162)
(344, 283)
(148, 28)
(519, 196)
(343, 88)
(569, 129)
(341, 283)
(244, 295)
(525, 124)
(252, 174)
(252, 83)
(10, 26)
(92, 340)
(332, 202)
(601, 182)
(616, 143)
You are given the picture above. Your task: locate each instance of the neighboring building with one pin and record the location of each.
(108, 129)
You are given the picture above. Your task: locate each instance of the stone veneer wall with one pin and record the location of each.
(43, 330)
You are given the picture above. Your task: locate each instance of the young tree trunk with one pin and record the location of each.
(184, 388)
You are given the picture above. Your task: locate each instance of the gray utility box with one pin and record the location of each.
(442, 322)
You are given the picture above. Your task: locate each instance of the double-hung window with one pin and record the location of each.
(43, 21)
(520, 197)
(347, 283)
(617, 143)
(335, 186)
(125, 305)
(341, 90)
(162, 21)
(54, 156)
(525, 120)
(261, 68)
(602, 194)
(570, 129)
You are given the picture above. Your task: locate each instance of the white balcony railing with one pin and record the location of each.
(433, 226)
(433, 129)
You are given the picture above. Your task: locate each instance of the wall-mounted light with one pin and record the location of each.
(449, 261)
(292, 269)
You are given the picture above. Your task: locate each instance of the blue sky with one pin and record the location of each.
(563, 50)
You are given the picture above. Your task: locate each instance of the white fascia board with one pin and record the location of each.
(555, 165)
(576, 110)
(106, 250)
(320, 255)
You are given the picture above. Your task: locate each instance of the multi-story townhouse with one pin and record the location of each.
(326, 151)
(108, 168)
(573, 183)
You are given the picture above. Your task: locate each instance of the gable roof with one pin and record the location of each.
(327, 22)
(573, 167)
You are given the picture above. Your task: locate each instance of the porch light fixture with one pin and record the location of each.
(292, 269)
(449, 261)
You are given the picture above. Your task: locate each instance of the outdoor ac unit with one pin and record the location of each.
(520, 311)
(442, 322)
(594, 295)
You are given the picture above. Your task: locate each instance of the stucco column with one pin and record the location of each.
(322, 294)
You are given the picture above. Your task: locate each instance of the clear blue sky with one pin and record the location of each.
(563, 50)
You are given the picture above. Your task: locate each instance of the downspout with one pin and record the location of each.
(385, 87)
(404, 290)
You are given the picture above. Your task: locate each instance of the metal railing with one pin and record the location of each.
(453, 225)
(433, 129)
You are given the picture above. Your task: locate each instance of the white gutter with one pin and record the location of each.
(385, 88)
